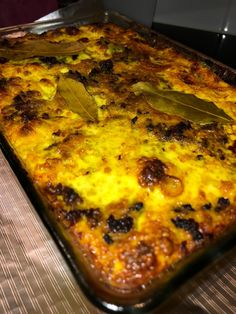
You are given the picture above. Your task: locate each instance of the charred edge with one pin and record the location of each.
(210, 126)
(73, 216)
(26, 129)
(200, 157)
(123, 56)
(5, 43)
(106, 66)
(150, 127)
(207, 206)
(136, 207)
(94, 72)
(77, 76)
(51, 146)
(72, 30)
(70, 136)
(26, 106)
(57, 133)
(223, 139)
(50, 60)
(184, 208)
(104, 42)
(152, 172)
(29, 115)
(204, 142)
(183, 247)
(134, 120)
(93, 216)
(103, 107)
(84, 40)
(9, 117)
(70, 197)
(45, 116)
(65, 140)
(108, 239)
(233, 147)
(220, 154)
(123, 105)
(189, 225)
(3, 83)
(122, 225)
(176, 132)
(3, 60)
(26, 101)
(222, 204)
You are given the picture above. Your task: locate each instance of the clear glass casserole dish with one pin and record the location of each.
(101, 295)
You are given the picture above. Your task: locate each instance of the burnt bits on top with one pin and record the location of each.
(153, 171)
(121, 225)
(69, 196)
(25, 106)
(93, 216)
(189, 225)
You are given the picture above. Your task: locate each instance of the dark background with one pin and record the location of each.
(221, 47)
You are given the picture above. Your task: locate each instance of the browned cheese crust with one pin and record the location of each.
(139, 190)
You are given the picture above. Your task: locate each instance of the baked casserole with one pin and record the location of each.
(137, 184)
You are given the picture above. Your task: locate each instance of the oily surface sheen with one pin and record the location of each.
(136, 189)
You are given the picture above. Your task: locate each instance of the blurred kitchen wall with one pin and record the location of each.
(141, 11)
(211, 15)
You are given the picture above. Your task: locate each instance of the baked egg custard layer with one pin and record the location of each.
(136, 189)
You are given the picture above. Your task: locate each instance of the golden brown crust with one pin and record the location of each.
(140, 189)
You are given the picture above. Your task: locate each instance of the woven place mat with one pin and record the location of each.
(34, 278)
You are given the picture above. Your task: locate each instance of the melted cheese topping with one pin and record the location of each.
(140, 189)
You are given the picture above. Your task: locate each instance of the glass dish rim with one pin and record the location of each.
(200, 259)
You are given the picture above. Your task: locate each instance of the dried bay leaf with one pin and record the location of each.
(40, 48)
(186, 106)
(77, 98)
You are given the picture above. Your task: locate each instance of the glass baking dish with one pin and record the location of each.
(107, 299)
